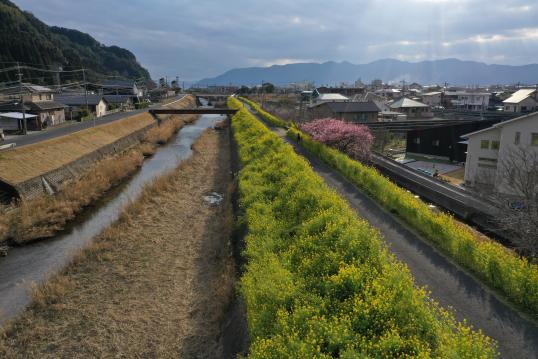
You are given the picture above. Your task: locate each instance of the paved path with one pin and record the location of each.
(54, 132)
(449, 284)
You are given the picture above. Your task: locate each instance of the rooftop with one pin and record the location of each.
(16, 115)
(405, 102)
(352, 107)
(78, 100)
(520, 95)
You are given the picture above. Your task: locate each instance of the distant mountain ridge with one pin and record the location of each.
(26, 39)
(452, 71)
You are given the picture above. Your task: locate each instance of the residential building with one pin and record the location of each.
(488, 151)
(524, 100)
(39, 101)
(444, 142)
(413, 109)
(432, 99)
(121, 102)
(389, 93)
(318, 97)
(122, 87)
(346, 111)
(97, 105)
(466, 100)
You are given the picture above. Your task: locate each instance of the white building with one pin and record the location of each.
(525, 100)
(464, 100)
(488, 150)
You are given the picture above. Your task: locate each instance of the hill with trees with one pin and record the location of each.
(26, 39)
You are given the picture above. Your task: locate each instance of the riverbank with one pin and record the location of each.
(44, 216)
(158, 283)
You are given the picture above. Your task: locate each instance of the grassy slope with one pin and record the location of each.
(156, 284)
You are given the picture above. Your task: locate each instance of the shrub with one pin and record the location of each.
(275, 121)
(498, 267)
(318, 281)
(352, 139)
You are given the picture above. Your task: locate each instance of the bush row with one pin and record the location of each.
(500, 268)
(318, 281)
(275, 121)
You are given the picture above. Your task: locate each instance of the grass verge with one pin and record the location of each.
(154, 285)
(319, 282)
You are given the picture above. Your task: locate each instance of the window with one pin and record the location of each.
(518, 138)
(435, 143)
(486, 159)
(484, 144)
(534, 139)
(495, 145)
(416, 140)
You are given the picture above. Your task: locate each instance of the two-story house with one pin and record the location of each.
(39, 101)
(466, 100)
(489, 151)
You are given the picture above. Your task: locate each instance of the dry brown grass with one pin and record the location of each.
(44, 216)
(31, 161)
(154, 285)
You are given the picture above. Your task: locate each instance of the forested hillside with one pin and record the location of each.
(26, 39)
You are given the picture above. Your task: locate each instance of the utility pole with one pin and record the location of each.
(86, 94)
(23, 110)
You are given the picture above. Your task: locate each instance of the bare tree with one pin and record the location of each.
(517, 196)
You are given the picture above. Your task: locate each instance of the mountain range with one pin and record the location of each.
(26, 39)
(451, 71)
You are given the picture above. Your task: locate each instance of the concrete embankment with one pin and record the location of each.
(32, 170)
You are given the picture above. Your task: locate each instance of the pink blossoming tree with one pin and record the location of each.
(351, 139)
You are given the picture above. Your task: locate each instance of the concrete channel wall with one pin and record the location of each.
(53, 181)
(45, 167)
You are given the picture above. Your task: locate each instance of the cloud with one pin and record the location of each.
(198, 39)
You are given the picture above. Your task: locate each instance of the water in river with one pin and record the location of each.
(37, 262)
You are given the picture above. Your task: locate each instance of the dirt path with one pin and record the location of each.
(158, 284)
(449, 285)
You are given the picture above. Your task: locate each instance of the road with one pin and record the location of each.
(54, 132)
(450, 285)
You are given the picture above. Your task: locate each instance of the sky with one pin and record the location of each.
(194, 39)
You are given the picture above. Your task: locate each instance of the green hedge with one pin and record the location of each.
(497, 266)
(275, 121)
(318, 281)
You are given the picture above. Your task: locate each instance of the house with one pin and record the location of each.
(524, 100)
(390, 93)
(97, 105)
(413, 109)
(432, 99)
(345, 111)
(122, 87)
(39, 101)
(489, 150)
(122, 102)
(444, 142)
(318, 97)
(12, 121)
(466, 100)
